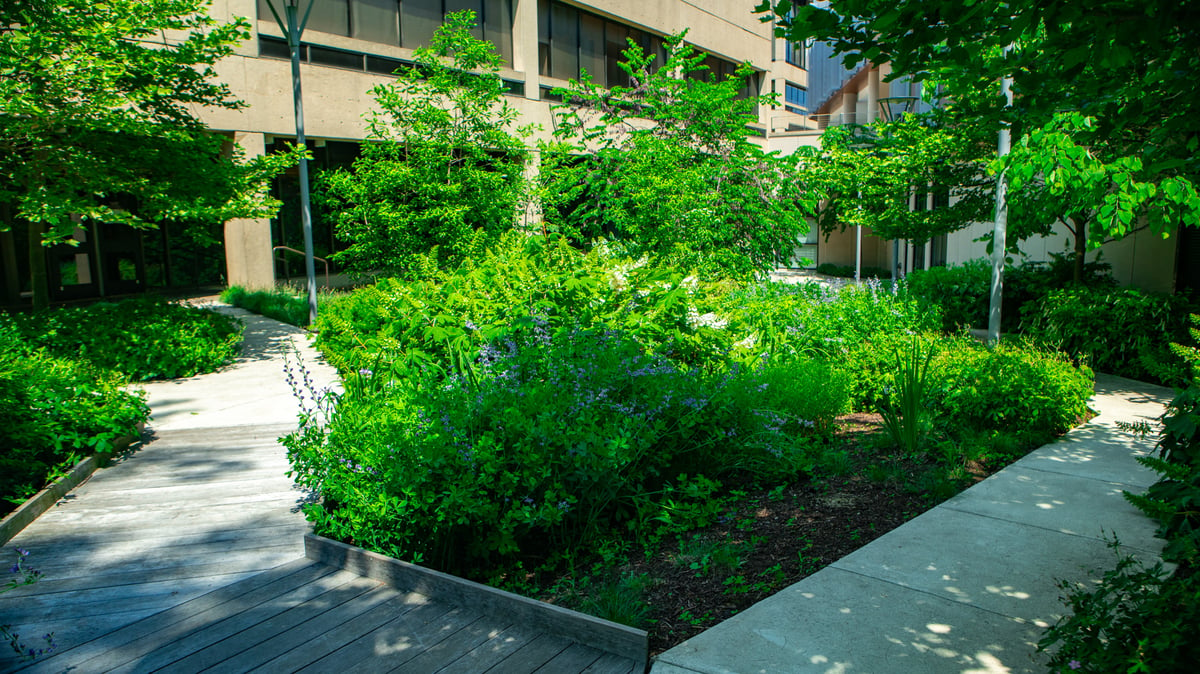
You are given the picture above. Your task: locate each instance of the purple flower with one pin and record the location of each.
(1074, 664)
(365, 372)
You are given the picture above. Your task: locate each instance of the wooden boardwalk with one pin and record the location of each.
(305, 616)
(188, 555)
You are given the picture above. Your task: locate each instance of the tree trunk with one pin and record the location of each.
(39, 283)
(1081, 232)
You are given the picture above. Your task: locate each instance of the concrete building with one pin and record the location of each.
(352, 45)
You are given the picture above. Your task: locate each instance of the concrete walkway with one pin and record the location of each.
(968, 586)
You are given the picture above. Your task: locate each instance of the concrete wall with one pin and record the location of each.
(248, 259)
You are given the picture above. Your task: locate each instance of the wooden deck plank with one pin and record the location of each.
(144, 552)
(453, 647)
(166, 559)
(490, 652)
(532, 655)
(574, 658)
(369, 645)
(394, 605)
(37, 542)
(611, 663)
(295, 640)
(400, 641)
(182, 619)
(98, 602)
(152, 651)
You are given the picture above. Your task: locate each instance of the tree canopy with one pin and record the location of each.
(1101, 87)
(666, 166)
(445, 170)
(97, 119)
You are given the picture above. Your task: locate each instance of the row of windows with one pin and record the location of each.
(403, 23)
(273, 47)
(569, 40)
(795, 98)
(572, 41)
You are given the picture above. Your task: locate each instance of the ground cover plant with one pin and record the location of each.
(282, 305)
(145, 338)
(56, 411)
(585, 427)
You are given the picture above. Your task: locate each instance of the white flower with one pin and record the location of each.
(749, 342)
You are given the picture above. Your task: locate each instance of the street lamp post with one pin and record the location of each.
(293, 28)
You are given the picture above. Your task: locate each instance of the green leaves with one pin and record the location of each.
(446, 175)
(95, 105)
(666, 167)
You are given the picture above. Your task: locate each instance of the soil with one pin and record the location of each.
(768, 540)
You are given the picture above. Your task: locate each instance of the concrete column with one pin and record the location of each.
(248, 242)
(872, 95)
(525, 46)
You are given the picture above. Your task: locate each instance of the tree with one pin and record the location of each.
(666, 166)
(445, 172)
(869, 174)
(1097, 194)
(96, 120)
(1121, 67)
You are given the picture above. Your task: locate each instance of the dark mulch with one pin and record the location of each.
(767, 540)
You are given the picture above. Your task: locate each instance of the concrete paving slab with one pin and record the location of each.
(1099, 452)
(1059, 502)
(989, 563)
(836, 621)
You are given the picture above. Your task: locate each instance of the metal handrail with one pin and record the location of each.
(300, 252)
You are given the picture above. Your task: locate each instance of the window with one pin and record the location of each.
(376, 20)
(795, 98)
(796, 53)
(405, 23)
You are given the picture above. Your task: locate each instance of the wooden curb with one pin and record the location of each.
(30, 510)
(442, 587)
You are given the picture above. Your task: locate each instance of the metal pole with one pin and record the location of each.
(1000, 234)
(858, 247)
(293, 36)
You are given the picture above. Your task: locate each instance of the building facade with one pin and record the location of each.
(349, 46)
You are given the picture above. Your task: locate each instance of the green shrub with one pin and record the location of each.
(847, 271)
(1008, 387)
(963, 293)
(145, 338)
(549, 438)
(449, 315)
(55, 411)
(281, 305)
(1124, 331)
(1138, 619)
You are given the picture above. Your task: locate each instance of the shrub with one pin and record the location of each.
(55, 410)
(281, 305)
(549, 438)
(847, 271)
(145, 338)
(449, 315)
(433, 183)
(1007, 387)
(1138, 619)
(963, 293)
(1120, 331)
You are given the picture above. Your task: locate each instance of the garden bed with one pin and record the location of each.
(764, 540)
